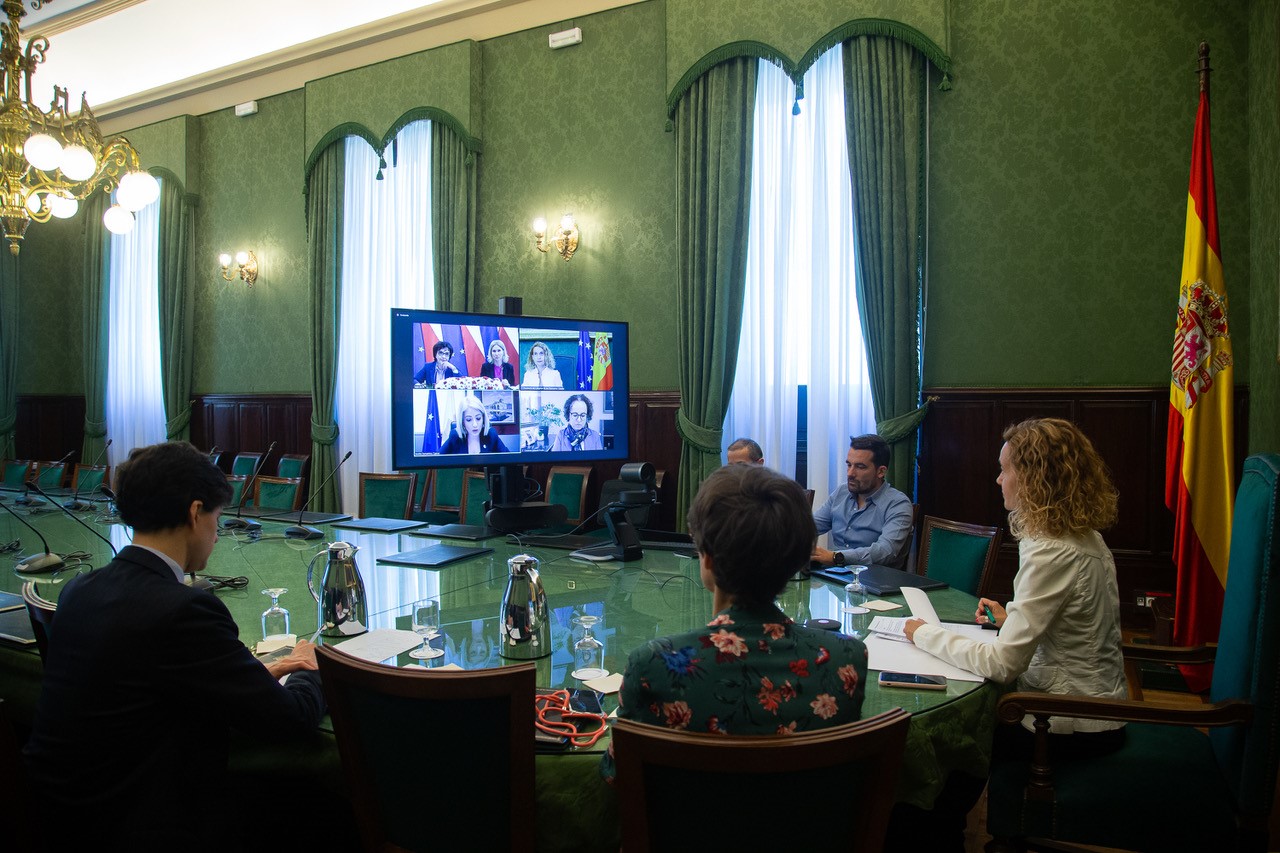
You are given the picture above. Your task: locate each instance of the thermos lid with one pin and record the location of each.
(522, 563)
(341, 550)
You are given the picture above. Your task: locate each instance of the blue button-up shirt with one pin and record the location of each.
(878, 533)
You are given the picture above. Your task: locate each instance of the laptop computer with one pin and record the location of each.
(433, 556)
(879, 580)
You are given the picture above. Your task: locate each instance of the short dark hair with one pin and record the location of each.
(756, 526)
(878, 446)
(439, 345)
(754, 453)
(568, 404)
(156, 486)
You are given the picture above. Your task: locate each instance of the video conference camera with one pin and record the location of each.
(642, 474)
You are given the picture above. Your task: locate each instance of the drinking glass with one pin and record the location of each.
(588, 653)
(856, 593)
(275, 619)
(426, 624)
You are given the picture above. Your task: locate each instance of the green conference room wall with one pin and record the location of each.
(1058, 177)
(1264, 226)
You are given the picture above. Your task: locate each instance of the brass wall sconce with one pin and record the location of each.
(246, 263)
(565, 239)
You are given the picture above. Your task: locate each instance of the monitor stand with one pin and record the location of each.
(508, 512)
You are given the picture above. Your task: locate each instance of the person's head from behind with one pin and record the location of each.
(578, 411)
(497, 352)
(540, 357)
(441, 352)
(1053, 481)
(744, 450)
(866, 464)
(171, 487)
(471, 418)
(753, 529)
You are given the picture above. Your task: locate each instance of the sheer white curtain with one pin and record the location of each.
(135, 393)
(800, 321)
(386, 262)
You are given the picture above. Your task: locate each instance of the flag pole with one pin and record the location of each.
(1204, 69)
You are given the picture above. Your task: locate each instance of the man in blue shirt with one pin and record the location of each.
(870, 521)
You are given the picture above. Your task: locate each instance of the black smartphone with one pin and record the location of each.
(906, 679)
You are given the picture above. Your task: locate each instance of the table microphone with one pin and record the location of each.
(75, 502)
(248, 524)
(302, 531)
(25, 498)
(76, 518)
(35, 564)
(111, 516)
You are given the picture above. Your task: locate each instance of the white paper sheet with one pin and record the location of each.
(381, 644)
(921, 607)
(887, 655)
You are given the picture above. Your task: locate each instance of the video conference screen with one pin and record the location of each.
(489, 389)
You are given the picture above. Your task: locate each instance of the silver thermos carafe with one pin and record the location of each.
(525, 626)
(341, 607)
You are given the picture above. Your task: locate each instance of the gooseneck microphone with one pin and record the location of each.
(25, 498)
(248, 524)
(35, 564)
(75, 502)
(302, 531)
(75, 518)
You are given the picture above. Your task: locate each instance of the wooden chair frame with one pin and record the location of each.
(880, 739)
(469, 480)
(409, 476)
(304, 460)
(436, 505)
(426, 480)
(517, 682)
(41, 612)
(299, 497)
(993, 535)
(41, 467)
(26, 474)
(254, 459)
(79, 469)
(583, 471)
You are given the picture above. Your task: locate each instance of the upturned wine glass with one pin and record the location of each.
(426, 624)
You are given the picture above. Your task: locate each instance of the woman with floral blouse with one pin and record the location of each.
(751, 670)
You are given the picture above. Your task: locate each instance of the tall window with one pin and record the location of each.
(135, 390)
(800, 323)
(386, 262)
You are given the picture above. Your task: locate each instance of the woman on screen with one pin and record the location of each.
(438, 369)
(471, 432)
(540, 371)
(498, 366)
(578, 435)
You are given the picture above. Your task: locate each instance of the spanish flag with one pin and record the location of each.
(602, 364)
(1199, 454)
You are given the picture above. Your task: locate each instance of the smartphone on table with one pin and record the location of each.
(919, 682)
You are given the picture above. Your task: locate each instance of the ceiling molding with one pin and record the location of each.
(63, 21)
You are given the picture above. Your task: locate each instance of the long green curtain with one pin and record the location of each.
(453, 219)
(324, 241)
(177, 235)
(10, 277)
(884, 81)
(713, 186)
(97, 295)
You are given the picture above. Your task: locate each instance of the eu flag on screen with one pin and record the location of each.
(453, 334)
(431, 430)
(585, 365)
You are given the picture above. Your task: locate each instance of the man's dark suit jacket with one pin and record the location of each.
(142, 678)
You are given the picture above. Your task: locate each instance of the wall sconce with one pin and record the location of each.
(247, 265)
(565, 239)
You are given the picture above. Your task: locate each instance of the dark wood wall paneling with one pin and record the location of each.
(960, 443)
(49, 427)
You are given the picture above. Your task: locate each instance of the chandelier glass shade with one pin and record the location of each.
(51, 160)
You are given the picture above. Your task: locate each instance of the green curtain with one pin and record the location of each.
(713, 187)
(324, 241)
(177, 235)
(97, 301)
(10, 276)
(453, 219)
(884, 81)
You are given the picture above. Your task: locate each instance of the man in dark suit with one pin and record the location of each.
(145, 673)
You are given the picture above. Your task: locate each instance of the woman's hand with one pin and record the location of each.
(910, 628)
(996, 609)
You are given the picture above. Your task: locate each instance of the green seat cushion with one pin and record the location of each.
(957, 558)
(1161, 791)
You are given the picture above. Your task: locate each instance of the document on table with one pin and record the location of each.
(888, 653)
(380, 644)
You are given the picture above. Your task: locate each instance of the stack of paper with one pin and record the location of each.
(888, 653)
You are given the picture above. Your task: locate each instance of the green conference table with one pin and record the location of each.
(950, 730)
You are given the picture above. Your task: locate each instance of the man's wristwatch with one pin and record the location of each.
(837, 558)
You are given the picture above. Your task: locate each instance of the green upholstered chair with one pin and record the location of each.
(567, 487)
(446, 496)
(660, 772)
(960, 554)
(386, 495)
(16, 472)
(245, 463)
(1172, 786)
(236, 482)
(422, 492)
(50, 475)
(87, 478)
(282, 493)
(478, 764)
(294, 465)
(475, 492)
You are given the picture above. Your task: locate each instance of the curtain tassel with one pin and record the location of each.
(795, 107)
(945, 85)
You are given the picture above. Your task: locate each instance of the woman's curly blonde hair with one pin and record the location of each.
(1063, 486)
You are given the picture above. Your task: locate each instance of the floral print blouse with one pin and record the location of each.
(747, 672)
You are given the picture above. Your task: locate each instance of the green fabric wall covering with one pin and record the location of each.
(378, 96)
(1263, 357)
(793, 34)
(172, 144)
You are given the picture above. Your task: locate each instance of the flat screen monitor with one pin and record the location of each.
(473, 389)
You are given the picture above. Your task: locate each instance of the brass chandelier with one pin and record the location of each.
(50, 160)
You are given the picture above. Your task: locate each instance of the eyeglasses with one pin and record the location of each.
(578, 415)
